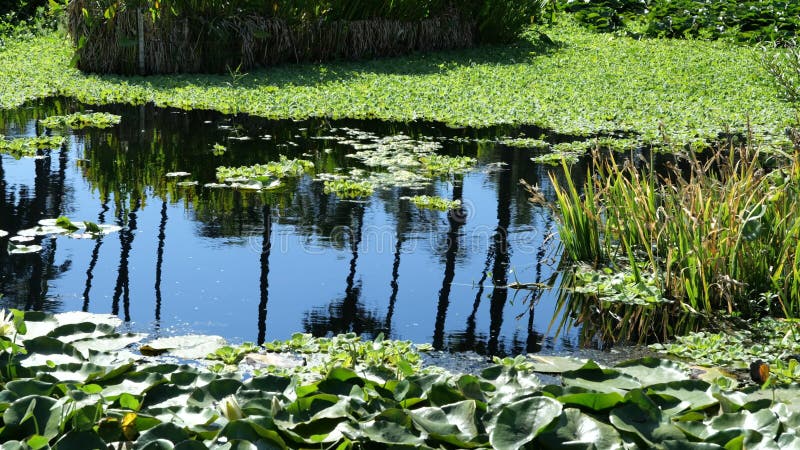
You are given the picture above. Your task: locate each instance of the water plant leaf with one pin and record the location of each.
(188, 347)
(80, 440)
(82, 120)
(520, 422)
(595, 401)
(642, 417)
(575, 429)
(555, 364)
(23, 249)
(593, 377)
(33, 414)
(454, 423)
(651, 370)
(66, 224)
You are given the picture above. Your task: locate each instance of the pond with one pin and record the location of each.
(256, 266)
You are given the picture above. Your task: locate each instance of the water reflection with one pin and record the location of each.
(203, 260)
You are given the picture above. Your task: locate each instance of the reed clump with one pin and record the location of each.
(187, 36)
(719, 236)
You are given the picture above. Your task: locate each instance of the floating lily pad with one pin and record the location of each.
(82, 120)
(187, 184)
(3, 233)
(178, 174)
(23, 249)
(555, 364)
(192, 346)
(21, 238)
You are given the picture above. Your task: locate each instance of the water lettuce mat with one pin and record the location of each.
(587, 83)
(70, 381)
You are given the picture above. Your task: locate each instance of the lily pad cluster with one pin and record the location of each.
(79, 120)
(70, 383)
(261, 176)
(62, 226)
(619, 287)
(392, 161)
(349, 189)
(768, 339)
(29, 147)
(436, 203)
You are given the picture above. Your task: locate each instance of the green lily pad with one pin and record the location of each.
(520, 422)
(653, 370)
(593, 377)
(577, 430)
(555, 364)
(192, 346)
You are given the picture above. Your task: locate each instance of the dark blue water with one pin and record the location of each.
(262, 266)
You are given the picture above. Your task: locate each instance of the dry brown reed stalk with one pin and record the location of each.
(179, 44)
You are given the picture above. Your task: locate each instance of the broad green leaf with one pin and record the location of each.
(519, 423)
(81, 440)
(188, 347)
(555, 364)
(163, 432)
(697, 393)
(641, 416)
(593, 377)
(596, 401)
(454, 423)
(577, 430)
(28, 414)
(653, 370)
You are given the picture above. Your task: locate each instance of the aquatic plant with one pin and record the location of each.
(69, 382)
(82, 120)
(719, 237)
(346, 188)
(283, 168)
(540, 144)
(438, 165)
(437, 203)
(218, 149)
(29, 146)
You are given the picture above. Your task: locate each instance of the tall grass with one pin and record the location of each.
(722, 235)
(215, 36)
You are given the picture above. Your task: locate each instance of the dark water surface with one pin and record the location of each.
(261, 266)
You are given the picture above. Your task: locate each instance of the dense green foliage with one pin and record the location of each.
(591, 83)
(773, 341)
(752, 20)
(13, 11)
(189, 36)
(719, 236)
(69, 384)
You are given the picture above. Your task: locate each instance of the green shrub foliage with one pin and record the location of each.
(749, 21)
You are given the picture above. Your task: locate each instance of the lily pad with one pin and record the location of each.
(22, 249)
(577, 429)
(192, 346)
(555, 364)
(518, 423)
(178, 174)
(653, 370)
(3, 233)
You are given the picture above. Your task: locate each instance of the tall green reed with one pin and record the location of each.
(721, 236)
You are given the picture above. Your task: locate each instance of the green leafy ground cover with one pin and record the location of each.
(70, 382)
(82, 120)
(587, 83)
